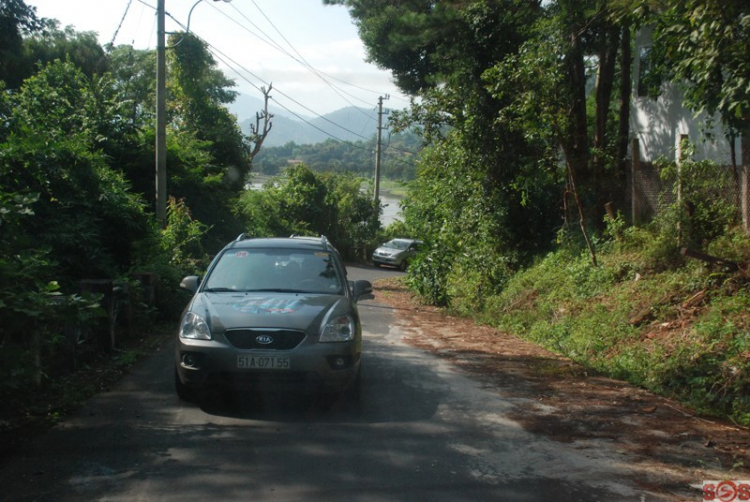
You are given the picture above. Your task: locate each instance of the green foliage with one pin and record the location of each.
(628, 317)
(705, 209)
(16, 20)
(398, 162)
(182, 239)
(80, 48)
(198, 93)
(303, 202)
(486, 192)
(96, 218)
(469, 224)
(702, 44)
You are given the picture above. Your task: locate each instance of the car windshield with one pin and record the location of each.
(274, 270)
(396, 244)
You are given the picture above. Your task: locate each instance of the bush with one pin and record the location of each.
(631, 317)
(303, 202)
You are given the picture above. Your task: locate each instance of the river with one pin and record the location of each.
(391, 210)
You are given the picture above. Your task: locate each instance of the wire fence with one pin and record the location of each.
(650, 193)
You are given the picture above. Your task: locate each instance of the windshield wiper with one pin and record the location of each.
(219, 290)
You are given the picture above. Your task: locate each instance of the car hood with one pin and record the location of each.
(306, 312)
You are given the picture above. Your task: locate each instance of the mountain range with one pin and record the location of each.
(347, 124)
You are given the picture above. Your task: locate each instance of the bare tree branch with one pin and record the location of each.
(263, 118)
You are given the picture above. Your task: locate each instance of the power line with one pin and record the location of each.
(300, 59)
(268, 40)
(124, 15)
(218, 54)
(280, 105)
(224, 59)
(216, 50)
(309, 66)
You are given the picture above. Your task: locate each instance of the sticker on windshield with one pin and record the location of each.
(241, 254)
(270, 306)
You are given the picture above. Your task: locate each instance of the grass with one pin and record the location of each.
(395, 188)
(680, 328)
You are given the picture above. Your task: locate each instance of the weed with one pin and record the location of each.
(645, 315)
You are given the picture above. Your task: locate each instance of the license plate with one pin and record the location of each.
(262, 363)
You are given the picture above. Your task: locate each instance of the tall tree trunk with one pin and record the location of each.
(745, 203)
(605, 82)
(577, 148)
(626, 86)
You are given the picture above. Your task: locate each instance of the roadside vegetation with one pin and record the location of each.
(647, 313)
(524, 109)
(401, 153)
(676, 326)
(89, 279)
(521, 116)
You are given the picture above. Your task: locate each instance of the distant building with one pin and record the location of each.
(658, 127)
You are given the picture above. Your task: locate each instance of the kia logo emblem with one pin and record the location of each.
(264, 339)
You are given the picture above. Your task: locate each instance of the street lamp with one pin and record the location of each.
(187, 30)
(161, 118)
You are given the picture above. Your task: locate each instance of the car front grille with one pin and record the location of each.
(275, 339)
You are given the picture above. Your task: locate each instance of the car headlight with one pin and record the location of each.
(193, 326)
(340, 329)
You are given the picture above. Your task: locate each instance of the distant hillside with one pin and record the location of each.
(245, 107)
(348, 124)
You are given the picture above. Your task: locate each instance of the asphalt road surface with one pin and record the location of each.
(421, 431)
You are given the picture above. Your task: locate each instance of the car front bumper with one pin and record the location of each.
(393, 261)
(312, 366)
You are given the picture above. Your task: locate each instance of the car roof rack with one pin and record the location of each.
(323, 239)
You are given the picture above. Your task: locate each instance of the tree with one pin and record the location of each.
(81, 48)
(440, 51)
(304, 202)
(198, 92)
(702, 45)
(511, 81)
(53, 151)
(16, 19)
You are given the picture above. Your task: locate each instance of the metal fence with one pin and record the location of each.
(649, 193)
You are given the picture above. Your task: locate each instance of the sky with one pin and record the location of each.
(310, 52)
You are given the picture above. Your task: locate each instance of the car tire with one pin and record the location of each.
(184, 392)
(402, 266)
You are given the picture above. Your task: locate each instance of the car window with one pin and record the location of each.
(394, 244)
(275, 270)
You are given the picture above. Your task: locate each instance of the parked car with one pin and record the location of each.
(273, 313)
(396, 253)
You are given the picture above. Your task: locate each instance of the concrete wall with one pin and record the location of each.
(658, 124)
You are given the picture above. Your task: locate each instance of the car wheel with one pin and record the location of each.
(184, 392)
(402, 266)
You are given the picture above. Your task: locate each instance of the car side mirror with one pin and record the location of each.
(191, 283)
(361, 288)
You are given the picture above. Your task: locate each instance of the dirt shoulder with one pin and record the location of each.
(575, 407)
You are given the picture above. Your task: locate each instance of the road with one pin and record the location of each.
(422, 431)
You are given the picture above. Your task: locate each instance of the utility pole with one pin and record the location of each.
(161, 110)
(379, 150)
(161, 119)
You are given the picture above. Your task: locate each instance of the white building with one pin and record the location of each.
(658, 127)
